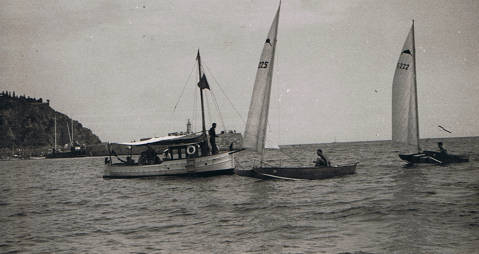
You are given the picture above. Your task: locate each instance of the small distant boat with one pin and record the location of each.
(75, 149)
(433, 157)
(255, 131)
(185, 154)
(405, 119)
(37, 157)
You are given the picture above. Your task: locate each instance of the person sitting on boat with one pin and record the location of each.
(129, 160)
(149, 156)
(212, 133)
(442, 154)
(167, 154)
(321, 160)
(442, 150)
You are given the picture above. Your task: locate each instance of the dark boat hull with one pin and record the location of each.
(298, 173)
(433, 158)
(65, 155)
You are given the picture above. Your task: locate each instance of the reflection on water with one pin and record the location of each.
(65, 206)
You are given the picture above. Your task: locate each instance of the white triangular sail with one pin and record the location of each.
(405, 124)
(255, 131)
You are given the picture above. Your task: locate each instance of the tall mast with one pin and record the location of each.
(415, 85)
(55, 146)
(69, 134)
(271, 71)
(73, 141)
(201, 96)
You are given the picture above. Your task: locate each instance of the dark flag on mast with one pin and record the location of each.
(203, 84)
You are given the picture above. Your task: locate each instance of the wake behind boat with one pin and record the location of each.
(184, 155)
(405, 117)
(256, 125)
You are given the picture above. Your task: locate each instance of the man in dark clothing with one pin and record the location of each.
(321, 160)
(148, 156)
(442, 150)
(212, 133)
(442, 154)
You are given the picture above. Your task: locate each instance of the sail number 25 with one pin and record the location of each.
(403, 66)
(263, 64)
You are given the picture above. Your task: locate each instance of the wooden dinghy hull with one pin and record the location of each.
(433, 158)
(298, 173)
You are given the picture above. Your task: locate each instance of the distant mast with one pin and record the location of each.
(69, 135)
(55, 133)
(73, 141)
(188, 127)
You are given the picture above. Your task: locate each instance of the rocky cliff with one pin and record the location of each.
(29, 122)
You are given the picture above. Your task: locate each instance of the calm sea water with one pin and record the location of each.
(65, 206)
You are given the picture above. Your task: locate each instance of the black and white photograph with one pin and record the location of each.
(239, 126)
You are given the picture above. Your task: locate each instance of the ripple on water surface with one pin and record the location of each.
(66, 206)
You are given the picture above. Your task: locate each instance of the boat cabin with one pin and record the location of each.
(178, 148)
(183, 151)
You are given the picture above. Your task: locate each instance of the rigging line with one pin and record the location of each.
(181, 95)
(218, 109)
(184, 87)
(208, 108)
(195, 111)
(223, 91)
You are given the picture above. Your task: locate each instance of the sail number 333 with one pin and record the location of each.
(263, 64)
(403, 66)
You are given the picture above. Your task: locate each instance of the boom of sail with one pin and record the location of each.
(256, 124)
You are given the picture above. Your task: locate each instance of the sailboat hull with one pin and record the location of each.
(432, 157)
(298, 173)
(66, 155)
(218, 164)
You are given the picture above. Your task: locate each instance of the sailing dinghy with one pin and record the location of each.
(256, 125)
(184, 155)
(405, 119)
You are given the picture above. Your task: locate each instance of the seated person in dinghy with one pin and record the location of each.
(149, 156)
(321, 161)
(442, 154)
(442, 150)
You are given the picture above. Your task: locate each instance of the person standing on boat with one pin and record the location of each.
(212, 133)
(321, 160)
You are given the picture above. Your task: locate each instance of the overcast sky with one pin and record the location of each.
(119, 67)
